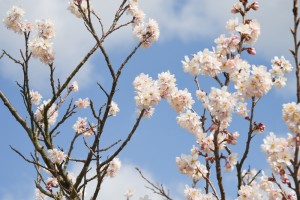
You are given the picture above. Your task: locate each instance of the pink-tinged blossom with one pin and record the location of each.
(81, 125)
(190, 121)
(226, 45)
(35, 97)
(42, 49)
(291, 116)
(231, 161)
(254, 5)
(166, 83)
(232, 138)
(46, 29)
(192, 193)
(181, 100)
(52, 113)
(57, 156)
(114, 167)
(259, 128)
(207, 144)
(251, 51)
(82, 103)
(51, 182)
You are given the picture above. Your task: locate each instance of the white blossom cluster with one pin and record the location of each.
(114, 109)
(204, 62)
(226, 45)
(13, 20)
(35, 97)
(113, 167)
(82, 103)
(52, 113)
(146, 33)
(291, 116)
(195, 194)
(45, 29)
(280, 151)
(207, 143)
(280, 66)
(73, 87)
(220, 104)
(50, 183)
(56, 155)
(264, 187)
(74, 7)
(272, 191)
(181, 100)
(167, 84)
(250, 192)
(190, 165)
(83, 127)
(147, 92)
(41, 46)
(190, 121)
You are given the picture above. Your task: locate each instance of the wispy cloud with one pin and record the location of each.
(193, 20)
(115, 188)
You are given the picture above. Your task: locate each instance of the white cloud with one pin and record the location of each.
(189, 21)
(71, 43)
(127, 178)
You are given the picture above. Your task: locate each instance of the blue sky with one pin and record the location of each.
(186, 28)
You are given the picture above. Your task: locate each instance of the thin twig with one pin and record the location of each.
(156, 189)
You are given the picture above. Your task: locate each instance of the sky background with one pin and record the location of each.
(186, 27)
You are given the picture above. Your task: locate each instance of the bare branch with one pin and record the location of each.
(10, 57)
(157, 189)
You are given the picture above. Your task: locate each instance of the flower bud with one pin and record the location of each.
(254, 5)
(78, 2)
(251, 51)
